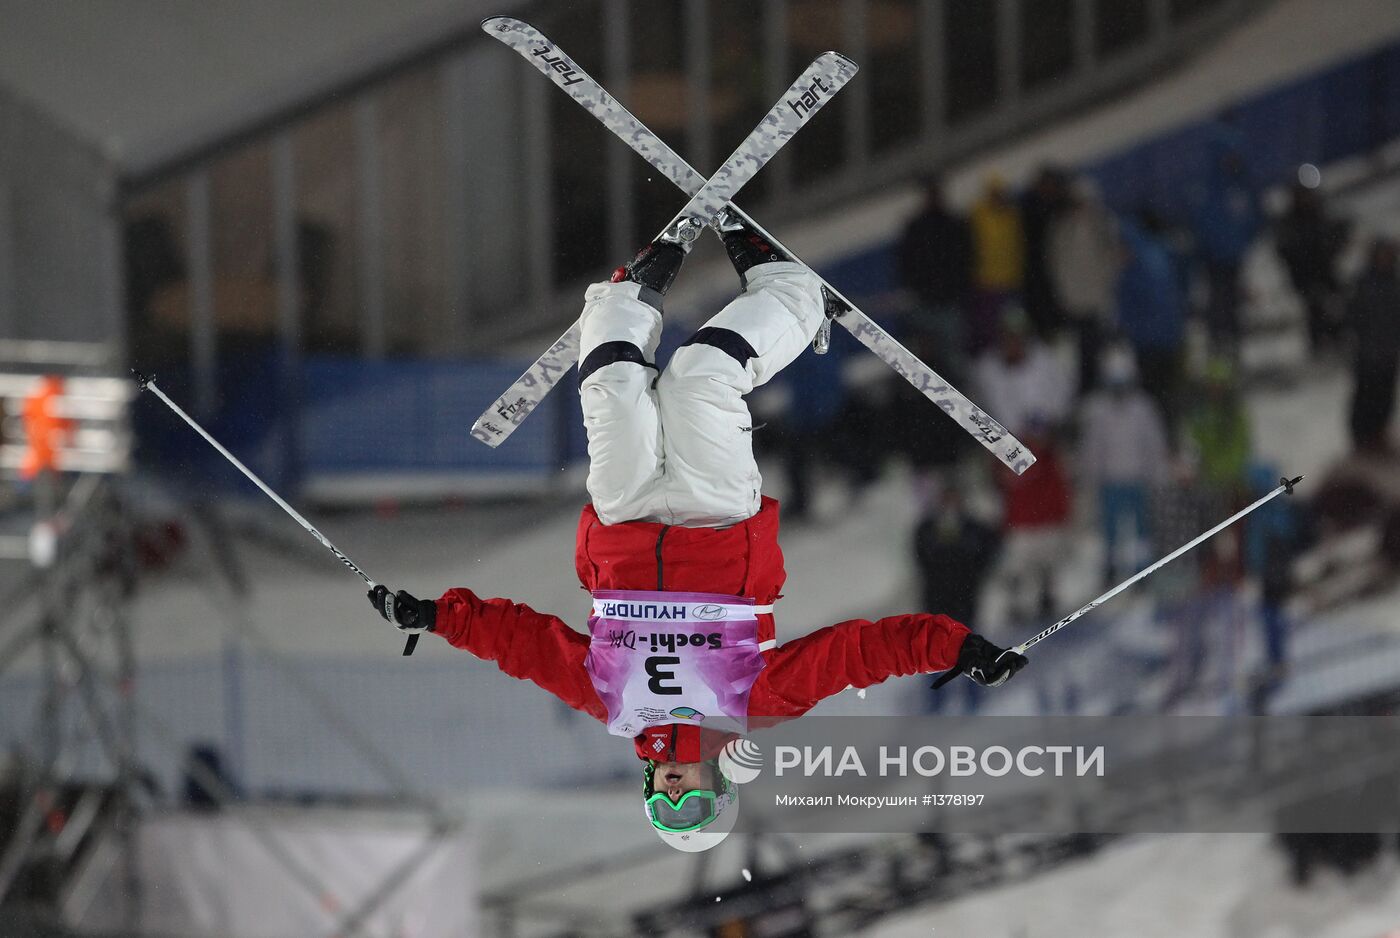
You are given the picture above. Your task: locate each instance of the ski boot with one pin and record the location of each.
(655, 267)
(747, 249)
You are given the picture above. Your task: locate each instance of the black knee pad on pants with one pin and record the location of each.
(609, 353)
(727, 341)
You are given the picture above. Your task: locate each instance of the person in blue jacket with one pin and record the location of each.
(1226, 217)
(1152, 309)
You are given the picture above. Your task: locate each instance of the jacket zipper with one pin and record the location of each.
(671, 756)
(660, 573)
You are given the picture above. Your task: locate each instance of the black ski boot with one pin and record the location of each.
(655, 268)
(746, 247)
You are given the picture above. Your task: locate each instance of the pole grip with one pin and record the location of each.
(411, 644)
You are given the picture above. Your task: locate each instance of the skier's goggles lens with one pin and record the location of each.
(694, 810)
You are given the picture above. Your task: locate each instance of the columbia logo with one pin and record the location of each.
(658, 745)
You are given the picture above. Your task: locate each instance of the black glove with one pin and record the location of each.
(987, 664)
(407, 613)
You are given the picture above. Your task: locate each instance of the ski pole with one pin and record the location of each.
(148, 383)
(1285, 485)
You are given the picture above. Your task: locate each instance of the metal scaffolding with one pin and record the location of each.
(77, 789)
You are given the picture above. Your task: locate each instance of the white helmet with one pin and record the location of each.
(711, 833)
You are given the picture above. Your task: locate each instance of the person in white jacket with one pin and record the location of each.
(1022, 381)
(1083, 258)
(1124, 453)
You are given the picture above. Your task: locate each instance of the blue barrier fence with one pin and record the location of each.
(400, 418)
(386, 416)
(1342, 111)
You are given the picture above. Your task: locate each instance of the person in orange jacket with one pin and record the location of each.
(45, 430)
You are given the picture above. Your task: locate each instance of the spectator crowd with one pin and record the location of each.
(1110, 342)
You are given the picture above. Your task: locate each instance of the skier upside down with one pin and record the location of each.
(679, 549)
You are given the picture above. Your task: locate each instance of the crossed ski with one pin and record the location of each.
(797, 106)
(827, 74)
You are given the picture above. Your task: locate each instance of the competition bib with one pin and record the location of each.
(659, 658)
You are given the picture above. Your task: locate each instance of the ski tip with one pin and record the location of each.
(498, 24)
(841, 57)
(1015, 456)
(143, 380)
(488, 433)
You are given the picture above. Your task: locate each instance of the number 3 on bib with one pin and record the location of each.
(662, 658)
(654, 666)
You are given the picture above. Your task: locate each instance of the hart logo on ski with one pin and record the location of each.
(560, 65)
(809, 98)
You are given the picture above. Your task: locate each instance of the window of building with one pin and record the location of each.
(970, 57)
(329, 217)
(156, 255)
(1047, 41)
(893, 73)
(658, 93)
(578, 152)
(738, 98)
(1119, 25)
(411, 139)
(813, 27)
(243, 250)
(1185, 9)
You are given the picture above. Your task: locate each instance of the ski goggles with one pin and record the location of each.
(694, 810)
